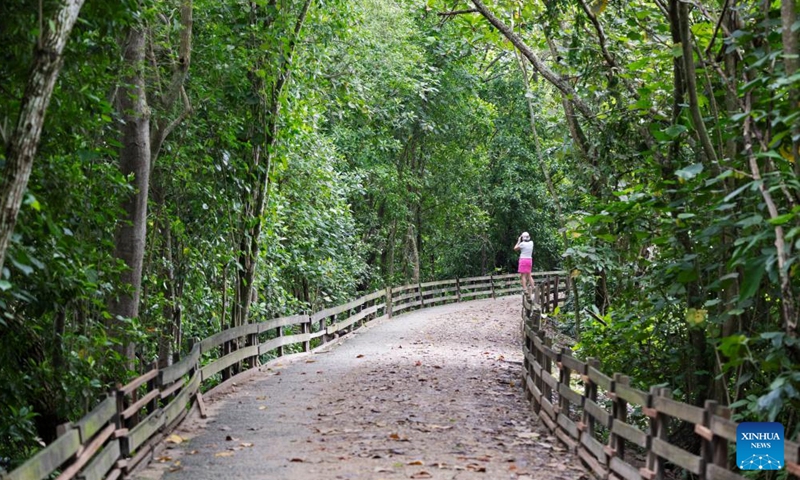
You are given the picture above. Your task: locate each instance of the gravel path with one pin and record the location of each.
(430, 394)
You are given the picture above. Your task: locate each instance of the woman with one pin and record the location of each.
(525, 246)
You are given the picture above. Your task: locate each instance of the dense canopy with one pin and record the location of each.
(172, 168)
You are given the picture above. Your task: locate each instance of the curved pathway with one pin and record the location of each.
(430, 394)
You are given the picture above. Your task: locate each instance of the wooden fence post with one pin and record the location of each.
(555, 293)
(660, 431)
(306, 328)
(119, 420)
(527, 368)
(564, 375)
(719, 445)
(419, 292)
(250, 340)
(491, 283)
(458, 289)
(616, 443)
(279, 333)
(547, 366)
(389, 302)
(152, 384)
(590, 392)
(225, 349)
(539, 355)
(323, 326)
(192, 342)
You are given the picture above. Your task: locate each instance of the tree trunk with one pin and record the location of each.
(134, 161)
(256, 204)
(24, 140)
(691, 80)
(169, 329)
(790, 65)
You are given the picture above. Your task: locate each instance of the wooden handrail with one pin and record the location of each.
(574, 416)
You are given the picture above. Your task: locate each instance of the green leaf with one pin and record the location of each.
(4, 285)
(689, 172)
(675, 130)
(729, 346)
(781, 219)
(25, 269)
(753, 273)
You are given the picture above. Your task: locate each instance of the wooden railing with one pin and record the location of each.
(122, 430)
(595, 421)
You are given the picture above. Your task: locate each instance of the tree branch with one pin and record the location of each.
(691, 80)
(601, 35)
(716, 28)
(458, 12)
(548, 74)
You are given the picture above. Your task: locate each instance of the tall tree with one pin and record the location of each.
(134, 162)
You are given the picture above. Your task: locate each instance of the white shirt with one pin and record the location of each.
(526, 249)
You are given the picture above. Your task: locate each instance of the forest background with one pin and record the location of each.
(203, 164)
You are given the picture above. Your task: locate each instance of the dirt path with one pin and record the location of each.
(431, 394)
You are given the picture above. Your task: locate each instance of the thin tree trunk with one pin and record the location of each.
(169, 329)
(254, 213)
(161, 128)
(690, 78)
(135, 162)
(790, 65)
(24, 140)
(412, 240)
(788, 305)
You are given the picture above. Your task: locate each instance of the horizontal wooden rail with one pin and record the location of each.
(594, 423)
(121, 432)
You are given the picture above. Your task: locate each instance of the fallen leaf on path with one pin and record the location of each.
(223, 454)
(415, 462)
(422, 474)
(175, 438)
(246, 444)
(297, 460)
(262, 407)
(360, 356)
(193, 452)
(164, 459)
(229, 438)
(383, 470)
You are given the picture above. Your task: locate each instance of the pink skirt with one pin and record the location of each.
(525, 265)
